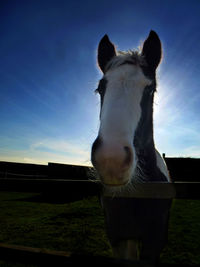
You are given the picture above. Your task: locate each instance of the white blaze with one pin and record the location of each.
(121, 110)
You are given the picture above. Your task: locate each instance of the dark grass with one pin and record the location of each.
(184, 233)
(79, 227)
(75, 227)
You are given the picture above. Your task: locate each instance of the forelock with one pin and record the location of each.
(126, 56)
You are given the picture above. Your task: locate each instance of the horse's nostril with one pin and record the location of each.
(129, 155)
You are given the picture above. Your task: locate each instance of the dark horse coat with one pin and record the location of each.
(145, 220)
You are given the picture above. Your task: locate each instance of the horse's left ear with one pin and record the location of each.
(152, 50)
(106, 51)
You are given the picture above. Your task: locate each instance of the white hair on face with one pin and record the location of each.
(121, 109)
(125, 86)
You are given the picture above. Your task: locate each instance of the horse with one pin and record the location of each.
(124, 153)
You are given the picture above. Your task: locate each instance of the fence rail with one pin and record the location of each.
(82, 188)
(45, 257)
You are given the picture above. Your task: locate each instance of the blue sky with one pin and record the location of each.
(48, 74)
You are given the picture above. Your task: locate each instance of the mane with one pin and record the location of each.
(122, 56)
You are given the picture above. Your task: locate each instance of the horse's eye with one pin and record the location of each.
(102, 87)
(100, 90)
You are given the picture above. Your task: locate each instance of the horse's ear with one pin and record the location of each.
(106, 51)
(152, 50)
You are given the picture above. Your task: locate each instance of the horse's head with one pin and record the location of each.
(126, 92)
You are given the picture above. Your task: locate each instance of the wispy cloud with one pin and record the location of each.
(69, 149)
(49, 150)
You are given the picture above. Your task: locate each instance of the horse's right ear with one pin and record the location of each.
(152, 50)
(106, 51)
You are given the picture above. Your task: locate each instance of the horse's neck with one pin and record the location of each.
(162, 166)
(151, 166)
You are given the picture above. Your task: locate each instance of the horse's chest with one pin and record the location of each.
(142, 219)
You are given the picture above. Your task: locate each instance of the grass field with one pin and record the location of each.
(79, 227)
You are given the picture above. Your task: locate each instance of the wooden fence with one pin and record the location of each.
(78, 189)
